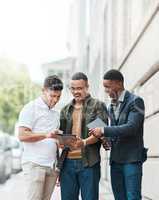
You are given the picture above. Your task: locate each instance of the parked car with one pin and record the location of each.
(16, 155)
(5, 158)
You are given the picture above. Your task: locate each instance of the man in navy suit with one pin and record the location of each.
(126, 113)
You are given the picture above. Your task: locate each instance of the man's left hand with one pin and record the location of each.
(79, 143)
(96, 132)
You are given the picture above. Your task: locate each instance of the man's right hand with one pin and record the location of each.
(52, 134)
(106, 143)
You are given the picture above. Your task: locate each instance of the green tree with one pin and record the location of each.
(16, 89)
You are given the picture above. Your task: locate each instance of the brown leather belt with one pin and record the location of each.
(74, 155)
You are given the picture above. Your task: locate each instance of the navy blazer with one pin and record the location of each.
(127, 131)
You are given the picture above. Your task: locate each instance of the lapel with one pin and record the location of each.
(127, 94)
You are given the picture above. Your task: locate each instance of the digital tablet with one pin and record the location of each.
(65, 139)
(96, 123)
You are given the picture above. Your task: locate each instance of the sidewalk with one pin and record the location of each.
(56, 194)
(105, 192)
(14, 188)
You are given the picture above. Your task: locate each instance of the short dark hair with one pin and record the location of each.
(113, 75)
(79, 76)
(53, 83)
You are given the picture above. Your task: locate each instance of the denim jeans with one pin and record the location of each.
(126, 180)
(75, 178)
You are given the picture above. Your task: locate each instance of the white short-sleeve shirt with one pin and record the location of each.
(37, 116)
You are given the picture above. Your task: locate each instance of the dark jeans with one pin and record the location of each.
(75, 178)
(126, 181)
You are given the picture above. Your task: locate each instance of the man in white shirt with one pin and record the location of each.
(37, 122)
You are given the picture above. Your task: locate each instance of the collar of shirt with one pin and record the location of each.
(122, 96)
(43, 104)
(119, 100)
(85, 101)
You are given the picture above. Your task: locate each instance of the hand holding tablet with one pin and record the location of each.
(66, 139)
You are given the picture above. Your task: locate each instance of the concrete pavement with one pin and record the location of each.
(14, 188)
(56, 194)
(105, 192)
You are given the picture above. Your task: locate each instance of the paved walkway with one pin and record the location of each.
(14, 188)
(105, 192)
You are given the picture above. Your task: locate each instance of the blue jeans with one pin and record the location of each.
(74, 178)
(126, 181)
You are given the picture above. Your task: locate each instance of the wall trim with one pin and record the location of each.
(152, 114)
(147, 198)
(150, 73)
(147, 24)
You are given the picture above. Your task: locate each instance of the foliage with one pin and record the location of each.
(16, 89)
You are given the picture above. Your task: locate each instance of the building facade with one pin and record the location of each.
(124, 35)
(63, 68)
